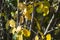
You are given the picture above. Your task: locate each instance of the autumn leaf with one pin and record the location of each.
(19, 37)
(21, 6)
(19, 28)
(40, 7)
(36, 37)
(48, 37)
(30, 8)
(45, 10)
(21, 19)
(12, 23)
(13, 30)
(27, 14)
(26, 33)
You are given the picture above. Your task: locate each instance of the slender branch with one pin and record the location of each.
(32, 30)
(53, 29)
(17, 14)
(50, 30)
(32, 16)
(49, 25)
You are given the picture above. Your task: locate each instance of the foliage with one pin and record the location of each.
(29, 19)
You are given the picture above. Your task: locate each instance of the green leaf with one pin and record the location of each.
(39, 10)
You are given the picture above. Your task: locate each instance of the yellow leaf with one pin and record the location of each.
(19, 28)
(40, 7)
(27, 14)
(30, 9)
(36, 37)
(44, 14)
(45, 10)
(21, 6)
(48, 37)
(12, 30)
(21, 19)
(26, 33)
(19, 37)
(12, 23)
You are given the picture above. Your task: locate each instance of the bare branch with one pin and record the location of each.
(49, 25)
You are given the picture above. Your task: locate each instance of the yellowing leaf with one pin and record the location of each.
(21, 19)
(19, 37)
(40, 7)
(12, 23)
(18, 29)
(12, 30)
(27, 14)
(45, 10)
(26, 33)
(21, 6)
(30, 10)
(44, 14)
(36, 37)
(48, 37)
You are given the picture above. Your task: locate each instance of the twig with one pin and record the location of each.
(50, 30)
(49, 25)
(32, 30)
(53, 29)
(32, 16)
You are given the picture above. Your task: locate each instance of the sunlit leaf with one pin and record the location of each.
(30, 8)
(21, 6)
(26, 33)
(12, 23)
(12, 30)
(19, 28)
(58, 25)
(48, 37)
(45, 10)
(12, 13)
(19, 37)
(39, 8)
(27, 14)
(21, 19)
(36, 37)
(56, 8)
